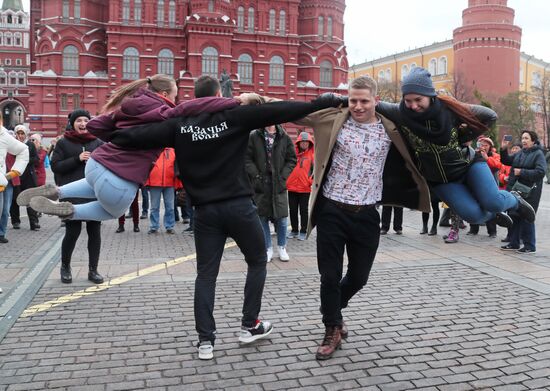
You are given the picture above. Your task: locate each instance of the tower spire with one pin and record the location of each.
(14, 5)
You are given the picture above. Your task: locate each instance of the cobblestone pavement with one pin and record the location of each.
(433, 316)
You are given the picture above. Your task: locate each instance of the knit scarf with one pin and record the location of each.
(433, 125)
(79, 138)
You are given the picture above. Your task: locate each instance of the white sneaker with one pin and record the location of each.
(261, 330)
(269, 254)
(206, 350)
(283, 255)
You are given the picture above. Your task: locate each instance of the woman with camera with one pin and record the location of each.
(527, 171)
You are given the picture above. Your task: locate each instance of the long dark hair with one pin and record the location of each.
(155, 83)
(464, 112)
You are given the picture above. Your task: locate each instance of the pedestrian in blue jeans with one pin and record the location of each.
(437, 127)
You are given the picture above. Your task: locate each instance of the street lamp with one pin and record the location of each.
(18, 112)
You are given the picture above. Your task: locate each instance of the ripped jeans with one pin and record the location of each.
(112, 194)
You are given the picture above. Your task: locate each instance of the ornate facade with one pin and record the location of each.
(14, 62)
(291, 49)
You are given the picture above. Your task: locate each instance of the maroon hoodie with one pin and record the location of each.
(143, 107)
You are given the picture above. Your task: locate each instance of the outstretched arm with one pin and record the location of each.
(149, 136)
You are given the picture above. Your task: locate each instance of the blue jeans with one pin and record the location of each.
(525, 231)
(477, 199)
(5, 203)
(169, 215)
(280, 226)
(112, 194)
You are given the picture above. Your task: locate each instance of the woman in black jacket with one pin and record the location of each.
(437, 128)
(68, 162)
(528, 167)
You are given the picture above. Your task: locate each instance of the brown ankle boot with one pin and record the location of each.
(331, 342)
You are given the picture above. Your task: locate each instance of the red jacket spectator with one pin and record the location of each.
(163, 173)
(301, 178)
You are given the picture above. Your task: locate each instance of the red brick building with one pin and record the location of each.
(14, 62)
(292, 49)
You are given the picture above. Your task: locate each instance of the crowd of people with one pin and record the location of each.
(236, 172)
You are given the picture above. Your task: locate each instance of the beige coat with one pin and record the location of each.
(402, 183)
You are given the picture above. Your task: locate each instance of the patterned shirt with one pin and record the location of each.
(359, 155)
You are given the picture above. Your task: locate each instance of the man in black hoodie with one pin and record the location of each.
(210, 152)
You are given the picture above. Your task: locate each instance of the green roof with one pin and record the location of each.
(14, 5)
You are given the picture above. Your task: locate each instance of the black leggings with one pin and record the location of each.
(435, 210)
(298, 201)
(72, 232)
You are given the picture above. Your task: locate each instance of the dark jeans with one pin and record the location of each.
(214, 223)
(144, 200)
(356, 233)
(298, 201)
(72, 232)
(525, 231)
(14, 210)
(397, 218)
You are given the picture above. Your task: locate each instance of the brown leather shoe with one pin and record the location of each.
(331, 342)
(344, 330)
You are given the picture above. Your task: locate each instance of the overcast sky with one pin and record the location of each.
(378, 28)
(374, 29)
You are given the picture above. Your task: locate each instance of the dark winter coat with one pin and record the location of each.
(270, 193)
(532, 163)
(66, 163)
(28, 177)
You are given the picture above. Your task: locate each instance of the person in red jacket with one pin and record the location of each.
(162, 181)
(299, 185)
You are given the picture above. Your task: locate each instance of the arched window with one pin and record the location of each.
(329, 28)
(442, 66)
(172, 13)
(320, 27)
(7, 39)
(10, 19)
(272, 21)
(240, 19)
(166, 62)
(251, 20)
(160, 13)
(276, 71)
(388, 74)
(210, 5)
(245, 69)
(125, 11)
(381, 76)
(326, 74)
(1, 38)
(130, 64)
(21, 78)
(404, 71)
(413, 65)
(282, 22)
(137, 12)
(70, 61)
(432, 66)
(3, 78)
(210, 61)
(12, 78)
(17, 39)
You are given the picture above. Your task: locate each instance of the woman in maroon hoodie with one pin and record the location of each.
(113, 174)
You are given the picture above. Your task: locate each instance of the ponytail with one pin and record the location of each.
(463, 111)
(156, 83)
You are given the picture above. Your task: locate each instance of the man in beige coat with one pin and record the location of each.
(360, 160)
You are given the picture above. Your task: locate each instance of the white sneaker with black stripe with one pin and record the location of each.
(260, 330)
(206, 350)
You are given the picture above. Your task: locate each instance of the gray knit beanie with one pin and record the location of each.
(418, 81)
